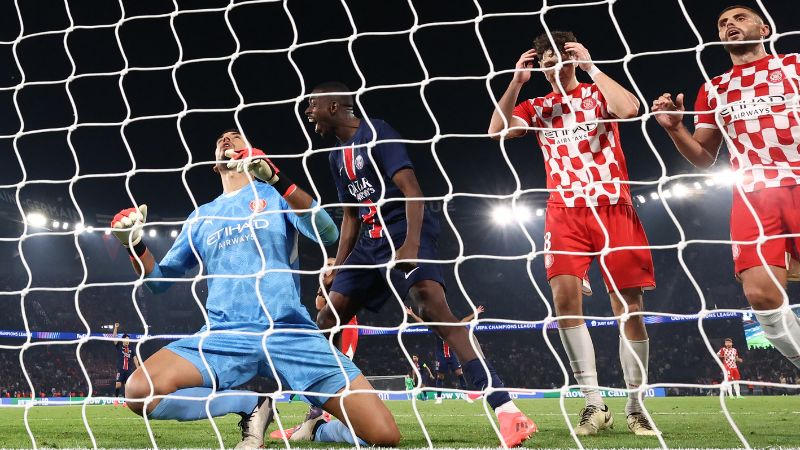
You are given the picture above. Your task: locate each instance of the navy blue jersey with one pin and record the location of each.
(358, 180)
(125, 355)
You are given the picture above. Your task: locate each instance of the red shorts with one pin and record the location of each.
(778, 209)
(733, 374)
(350, 339)
(577, 230)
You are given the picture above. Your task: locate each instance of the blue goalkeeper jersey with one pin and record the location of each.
(234, 248)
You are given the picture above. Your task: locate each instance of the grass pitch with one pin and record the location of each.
(686, 422)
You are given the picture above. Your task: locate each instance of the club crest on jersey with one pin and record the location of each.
(548, 260)
(588, 103)
(258, 205)
(736, 251)
(359, 162)
(775, 76)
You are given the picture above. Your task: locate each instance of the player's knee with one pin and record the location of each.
(385, 434)
(763, 297)
(137, 388)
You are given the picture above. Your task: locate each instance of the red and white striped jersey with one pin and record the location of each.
(758, 110)
(728, 356)
(577, 150)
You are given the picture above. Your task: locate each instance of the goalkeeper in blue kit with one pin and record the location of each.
(245, 241)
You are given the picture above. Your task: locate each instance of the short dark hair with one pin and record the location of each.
(728, 339)
(542, 42)
(336, 86)
(229, 130)
(125, 336)
(752, 10)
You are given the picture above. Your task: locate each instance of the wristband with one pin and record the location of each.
(593, 71)
(285, 186)
(137, 250)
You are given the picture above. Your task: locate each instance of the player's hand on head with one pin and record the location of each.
(127, 225)
(666, 103)
(406, 252)
(578, 52)
(253, 161)
(523, 66)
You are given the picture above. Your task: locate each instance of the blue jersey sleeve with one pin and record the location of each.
(304, 223)
(178, 260)
(390, 156)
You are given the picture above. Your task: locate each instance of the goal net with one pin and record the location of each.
(109, 105)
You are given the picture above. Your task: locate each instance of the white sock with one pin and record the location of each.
(738, 389)
(579, 348)
(507, 407)
(633, 375)
(779, 334)
(730, 390)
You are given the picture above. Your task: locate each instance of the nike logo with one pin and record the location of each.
(408, 274)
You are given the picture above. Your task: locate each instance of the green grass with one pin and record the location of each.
(687, 422)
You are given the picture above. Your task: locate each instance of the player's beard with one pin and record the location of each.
(743, 48)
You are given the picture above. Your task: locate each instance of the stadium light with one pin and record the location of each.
(641, 199)
(56, 224)
(666, 193)
(90, 229)
(539, 212)
(679, 190)
(654, 195)
(173, 233)
(709, 182)
(727, 177)
(107, 232)
(64, 225)
(36, 219)
(152, 233)
(523, 213)
(502, 215)
(79, 227)
(697, 185)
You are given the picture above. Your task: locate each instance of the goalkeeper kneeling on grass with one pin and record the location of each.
(252, 227)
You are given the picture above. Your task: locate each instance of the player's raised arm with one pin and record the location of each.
(700, 148)
(505, 106)
(259, 166)
(468, 318)
(114, 333)
(410, 312)
(127, 227)
(621, 103)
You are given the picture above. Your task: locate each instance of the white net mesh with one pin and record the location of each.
(109, 104)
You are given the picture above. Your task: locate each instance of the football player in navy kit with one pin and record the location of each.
(368, 227)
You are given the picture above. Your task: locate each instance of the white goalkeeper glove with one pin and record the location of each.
(258, 165)
(127, 225)
(254, 161)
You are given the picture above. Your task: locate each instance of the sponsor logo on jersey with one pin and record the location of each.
(359, 162)
(567, 136)
(361, 189)
(752, 108)
(258, 205)
(548, 260)
(588, 103)
(775, 76)
(235, 234)
(736, 251)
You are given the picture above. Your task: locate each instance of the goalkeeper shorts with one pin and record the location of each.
(302, 361)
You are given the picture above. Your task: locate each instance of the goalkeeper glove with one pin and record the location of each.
(127, 227)
(258, 165)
